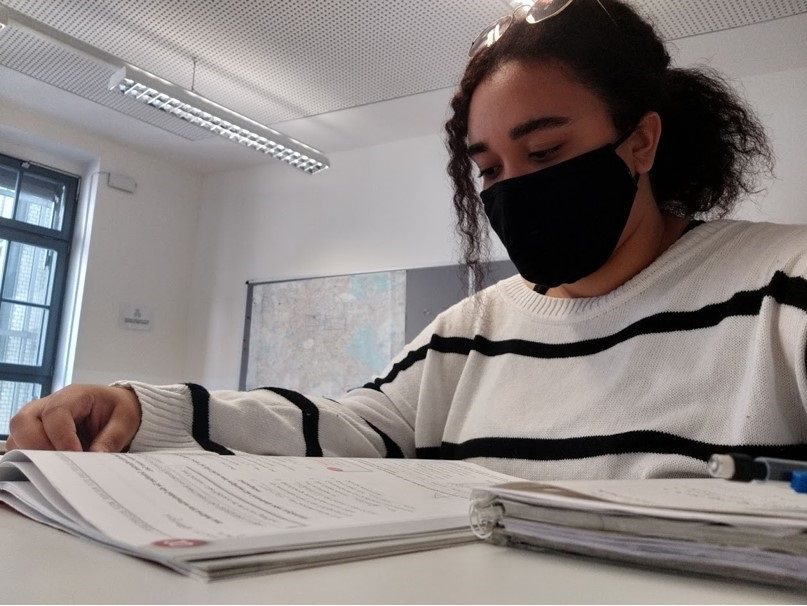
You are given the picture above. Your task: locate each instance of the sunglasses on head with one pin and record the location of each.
(531, 12)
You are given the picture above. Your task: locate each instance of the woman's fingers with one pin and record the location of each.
(121, 427)
(26, 430)
(60, 427)
(103, 418)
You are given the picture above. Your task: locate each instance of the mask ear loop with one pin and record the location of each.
(625, 136)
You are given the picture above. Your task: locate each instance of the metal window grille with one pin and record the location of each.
(37, 215)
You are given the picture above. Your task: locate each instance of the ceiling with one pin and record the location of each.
(336, 74)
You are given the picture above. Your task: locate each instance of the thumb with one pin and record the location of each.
(118, 432)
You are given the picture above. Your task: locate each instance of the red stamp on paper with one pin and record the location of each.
(175, 543)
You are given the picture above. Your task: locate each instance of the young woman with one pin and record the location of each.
(635, 342)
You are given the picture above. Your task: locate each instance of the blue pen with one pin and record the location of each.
(744, 468)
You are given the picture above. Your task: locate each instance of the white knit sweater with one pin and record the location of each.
(701, 352)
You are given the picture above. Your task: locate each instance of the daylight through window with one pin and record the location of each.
(37, 211)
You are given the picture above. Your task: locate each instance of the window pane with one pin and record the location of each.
(22, 334)
(8, 191)
(28, 272)
(14, 396)
(3, 254)
(41, 201)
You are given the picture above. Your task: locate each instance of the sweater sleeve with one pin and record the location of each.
(376, 420)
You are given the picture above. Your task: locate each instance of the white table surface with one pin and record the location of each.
(43, 565)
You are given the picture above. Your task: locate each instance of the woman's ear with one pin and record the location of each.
(642, 145)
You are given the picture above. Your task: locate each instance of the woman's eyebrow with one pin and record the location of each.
(522, 130)
(543, 123)
(476, 148)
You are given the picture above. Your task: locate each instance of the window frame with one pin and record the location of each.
(59, 240)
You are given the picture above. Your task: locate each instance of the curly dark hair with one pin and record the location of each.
(712, 150)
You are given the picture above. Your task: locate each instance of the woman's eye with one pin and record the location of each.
(544, 153)
(487, 172)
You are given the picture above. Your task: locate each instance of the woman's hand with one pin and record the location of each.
(79, 417)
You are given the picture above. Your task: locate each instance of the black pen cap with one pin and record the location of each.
(747, 469)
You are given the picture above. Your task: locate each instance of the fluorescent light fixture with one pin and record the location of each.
(166, 96)
(169, 97)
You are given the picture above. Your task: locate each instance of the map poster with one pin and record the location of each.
(323, 336)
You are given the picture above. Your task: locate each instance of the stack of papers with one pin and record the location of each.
(215, 516)
(755, 531)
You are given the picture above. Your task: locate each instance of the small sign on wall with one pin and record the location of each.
(135, 317)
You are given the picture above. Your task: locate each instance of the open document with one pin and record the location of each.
(214, 516)
(752, 531)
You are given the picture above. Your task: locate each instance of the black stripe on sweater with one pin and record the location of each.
(782, 288)
(656, 442)
(393, 450)
(200, 429)
(310, 414)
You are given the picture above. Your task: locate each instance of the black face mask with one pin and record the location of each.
(562, 223)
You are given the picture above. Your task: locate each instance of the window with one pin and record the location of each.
(37, 211)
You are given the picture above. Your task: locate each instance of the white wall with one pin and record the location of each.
(140, 251)
(377, 208)
(781, 100)
(389, 206)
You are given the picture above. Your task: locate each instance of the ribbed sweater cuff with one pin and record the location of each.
(166, 417)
